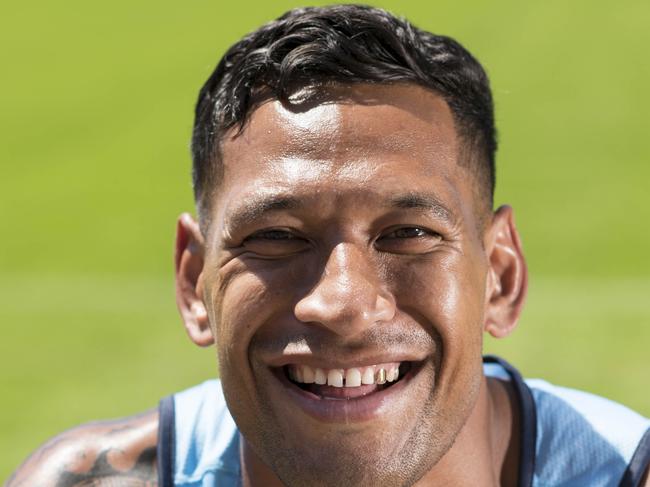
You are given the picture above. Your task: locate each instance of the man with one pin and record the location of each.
(346, 264)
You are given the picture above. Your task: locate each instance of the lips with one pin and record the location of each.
(347, 395)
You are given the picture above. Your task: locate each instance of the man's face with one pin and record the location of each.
(345, 237)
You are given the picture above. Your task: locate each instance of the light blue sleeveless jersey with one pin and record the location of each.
(568, 438)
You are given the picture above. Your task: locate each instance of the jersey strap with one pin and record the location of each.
(527, 413)
(166, 442)
(639, 465)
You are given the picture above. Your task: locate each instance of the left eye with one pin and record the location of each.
(407, 232)
(408, 240)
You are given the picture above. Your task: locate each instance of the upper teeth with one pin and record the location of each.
(352, 377)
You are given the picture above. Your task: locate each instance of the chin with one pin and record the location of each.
(394, 451)
(315, 467)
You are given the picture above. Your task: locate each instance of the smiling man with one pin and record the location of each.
(346, 264)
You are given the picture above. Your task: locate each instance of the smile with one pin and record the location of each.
(352, 377)
(347, 395)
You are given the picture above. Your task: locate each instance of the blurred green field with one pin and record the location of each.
(96, 108)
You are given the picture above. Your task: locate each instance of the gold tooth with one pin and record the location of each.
(381, 376)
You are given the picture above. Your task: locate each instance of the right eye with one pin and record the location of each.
(274, 243)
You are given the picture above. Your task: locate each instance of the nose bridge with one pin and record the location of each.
(350, 294)
(344, 267)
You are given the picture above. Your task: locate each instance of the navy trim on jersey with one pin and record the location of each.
(166, 442)
(528, 415)
(639, 463)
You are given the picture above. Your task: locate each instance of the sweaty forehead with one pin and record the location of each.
(347, 123)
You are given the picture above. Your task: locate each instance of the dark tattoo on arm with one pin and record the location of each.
(104, 474)
(103, 454)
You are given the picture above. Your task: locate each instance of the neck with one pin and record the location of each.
(254, 471)
(485, 453)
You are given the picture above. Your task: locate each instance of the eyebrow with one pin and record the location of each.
(425, 202)
(260, 205)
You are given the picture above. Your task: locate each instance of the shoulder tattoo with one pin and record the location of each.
(104, 454)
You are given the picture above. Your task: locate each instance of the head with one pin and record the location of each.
(343, 173)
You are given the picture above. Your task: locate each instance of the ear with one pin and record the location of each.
(188, 263)
(507, 282)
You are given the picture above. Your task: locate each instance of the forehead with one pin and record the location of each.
(364, 140)
(350, 119)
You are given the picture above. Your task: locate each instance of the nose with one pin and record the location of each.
(349, 297)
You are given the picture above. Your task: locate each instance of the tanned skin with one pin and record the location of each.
(108, 453)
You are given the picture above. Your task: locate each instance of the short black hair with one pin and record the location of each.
(341, 44)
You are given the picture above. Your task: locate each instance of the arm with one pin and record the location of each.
(102, 453)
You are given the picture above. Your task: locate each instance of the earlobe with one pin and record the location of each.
(507, 281)
(188, 264)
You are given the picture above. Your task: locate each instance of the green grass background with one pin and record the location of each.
(96, 107)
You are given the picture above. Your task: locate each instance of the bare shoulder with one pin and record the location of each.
(116, 452)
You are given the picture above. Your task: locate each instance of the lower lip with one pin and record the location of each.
(364, 408)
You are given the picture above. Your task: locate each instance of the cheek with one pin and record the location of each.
(246, 295)
(243, 299)
(446, 296)
(445, 293)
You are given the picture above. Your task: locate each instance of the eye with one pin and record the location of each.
(275, 243)
(408, 232)
(272, 235)
(408, 240)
